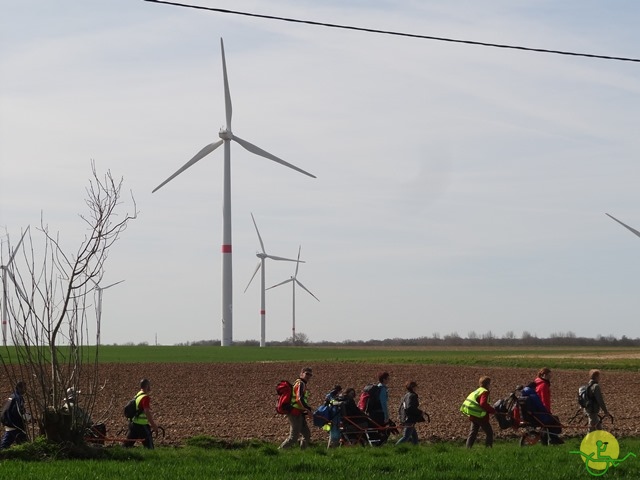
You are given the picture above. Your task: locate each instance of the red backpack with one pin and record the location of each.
(284, 389)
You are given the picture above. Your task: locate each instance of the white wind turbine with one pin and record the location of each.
(99, 291)
(5, 272)
(293, 281)
(225, 137)
(262, 256)
(633, 230)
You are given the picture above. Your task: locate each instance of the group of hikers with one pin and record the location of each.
(346, 419)
(531, 404)
(341, 413)
(14, 417)
(343, 416)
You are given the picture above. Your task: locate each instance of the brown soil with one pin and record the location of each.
(236, 401)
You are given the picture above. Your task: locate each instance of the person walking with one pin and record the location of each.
(379, 413)
(409, 414)
(476, 406)
(595, 402)
(300, 408)
(142, 425)
(334, 401)
(14, 416)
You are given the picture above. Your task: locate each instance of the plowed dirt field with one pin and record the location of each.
(236, 401)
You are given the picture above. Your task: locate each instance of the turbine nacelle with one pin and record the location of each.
(225, 134)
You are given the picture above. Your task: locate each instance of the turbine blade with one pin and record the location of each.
(198, 156)
(297, 262)
(631, 229)
(227, 94)
(17, 285)
(112, 285)
(254, 274)
(281, 283)
(258, 151)
(15, 250)
(308, 291)
(258, 232)
(273, 257)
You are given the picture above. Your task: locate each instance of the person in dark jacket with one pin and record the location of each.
(536, 413)
(596, 402)
(334, 402)
(409, 414)
(354, 420)
(13, 418)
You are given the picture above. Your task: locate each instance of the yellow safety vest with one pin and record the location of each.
(141, 418)
(471, 407)
(294, 397)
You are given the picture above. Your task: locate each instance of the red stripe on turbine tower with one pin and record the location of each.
(226, 248)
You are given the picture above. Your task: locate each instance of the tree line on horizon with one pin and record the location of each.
(473, 339)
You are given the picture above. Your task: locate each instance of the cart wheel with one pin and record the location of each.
(529, 438)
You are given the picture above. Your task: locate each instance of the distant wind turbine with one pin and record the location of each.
(624, 225)
(293, 281)
(5, 271)
(99, 291)
(226, 136)
(262, 256)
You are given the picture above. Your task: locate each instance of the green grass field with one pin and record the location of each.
(611, 358)
(506, 460)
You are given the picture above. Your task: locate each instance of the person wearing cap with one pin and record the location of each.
(143, 425)
(409, 414)
(300, 408)
(13, 417)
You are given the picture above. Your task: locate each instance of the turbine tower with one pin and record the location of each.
(5, 271)
(262, 256)
(633, 230)
(226, 136)
(99, 291)
(293, 281)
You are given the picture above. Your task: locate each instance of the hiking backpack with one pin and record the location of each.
(284, 389)
(585, 396)
(506, 414)
(370, 398)
(130, 409)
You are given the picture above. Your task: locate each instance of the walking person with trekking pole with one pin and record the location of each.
(595, 402)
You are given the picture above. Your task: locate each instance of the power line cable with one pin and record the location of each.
(398, 34)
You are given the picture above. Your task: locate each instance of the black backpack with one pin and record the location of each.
(370, 399)
(505, 411)
(585, 396)
(130, 409)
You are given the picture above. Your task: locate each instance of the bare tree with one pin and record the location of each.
(53, 325)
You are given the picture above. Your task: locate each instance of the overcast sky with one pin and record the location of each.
(459, 188)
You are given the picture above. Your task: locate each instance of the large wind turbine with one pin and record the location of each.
(624, 225)
(5, 270)
(225, 137)
(262, 256)
(293, 281)
(99, 291)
